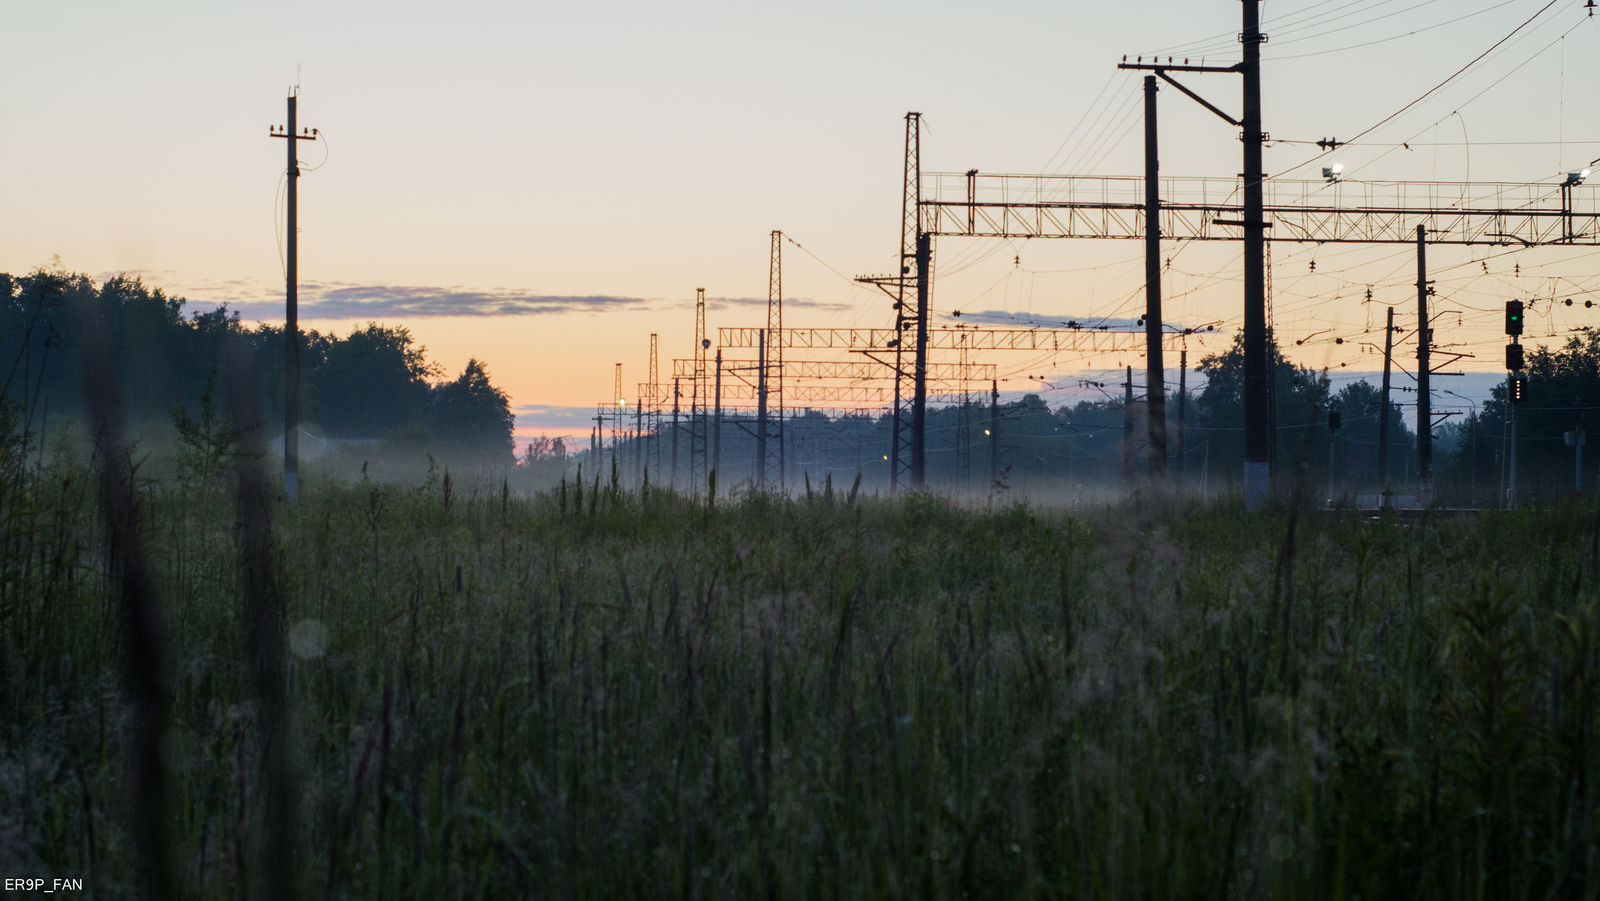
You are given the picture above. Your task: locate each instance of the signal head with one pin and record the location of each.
(1514, 357)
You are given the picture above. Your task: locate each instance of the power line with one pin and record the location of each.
(1457, 111)
(1433, 90)
(1397, 37)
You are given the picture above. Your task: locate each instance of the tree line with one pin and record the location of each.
(374, 383)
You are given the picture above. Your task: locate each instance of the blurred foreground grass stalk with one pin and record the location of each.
(596, 693)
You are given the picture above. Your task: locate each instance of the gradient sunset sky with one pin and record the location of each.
(542, 185)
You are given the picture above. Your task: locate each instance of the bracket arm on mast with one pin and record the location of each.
(1198, 99)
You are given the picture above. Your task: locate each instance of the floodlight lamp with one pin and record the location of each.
(1331, 173)
(1575, 178)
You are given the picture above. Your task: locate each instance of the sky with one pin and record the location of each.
(543, 185)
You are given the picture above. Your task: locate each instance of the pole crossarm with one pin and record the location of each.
(851, 369)
(1036, 339)
(1159, 68)
(958, 204)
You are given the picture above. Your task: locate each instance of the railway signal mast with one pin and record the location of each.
(1516, 393)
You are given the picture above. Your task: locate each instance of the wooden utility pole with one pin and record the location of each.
(1424, 399)
(291, 324)
(1155, 372)
(1383, 420)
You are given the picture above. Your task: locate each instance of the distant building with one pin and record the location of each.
(315, 447)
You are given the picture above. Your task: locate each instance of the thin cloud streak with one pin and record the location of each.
(344, 300)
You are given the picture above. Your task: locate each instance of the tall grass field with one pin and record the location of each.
(461, 690)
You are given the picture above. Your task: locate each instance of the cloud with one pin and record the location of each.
(789, 303)
(338, 300)
(542, 415)
(347, 300)
(534, 420)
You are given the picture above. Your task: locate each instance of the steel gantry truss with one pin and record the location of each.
(1064, 340)
(737, 395)
(1252, 208)
(973, 205)
(853, 370)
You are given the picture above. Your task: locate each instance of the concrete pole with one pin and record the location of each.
(1128, 463)
(1155, 375)
(919, 397)
(1183, 410)
(1383, 419)
(676, 394)
(1257, 440)
(716, 434)
(1424, 397)
(761, 414)
(994, 434)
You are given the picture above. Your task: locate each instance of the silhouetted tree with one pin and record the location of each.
(373, 381)
(472, 417)
(1563, 395)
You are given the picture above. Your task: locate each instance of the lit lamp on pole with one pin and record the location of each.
(1572, 180)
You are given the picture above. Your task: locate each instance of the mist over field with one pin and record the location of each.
(457, 667)
(823, 450)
